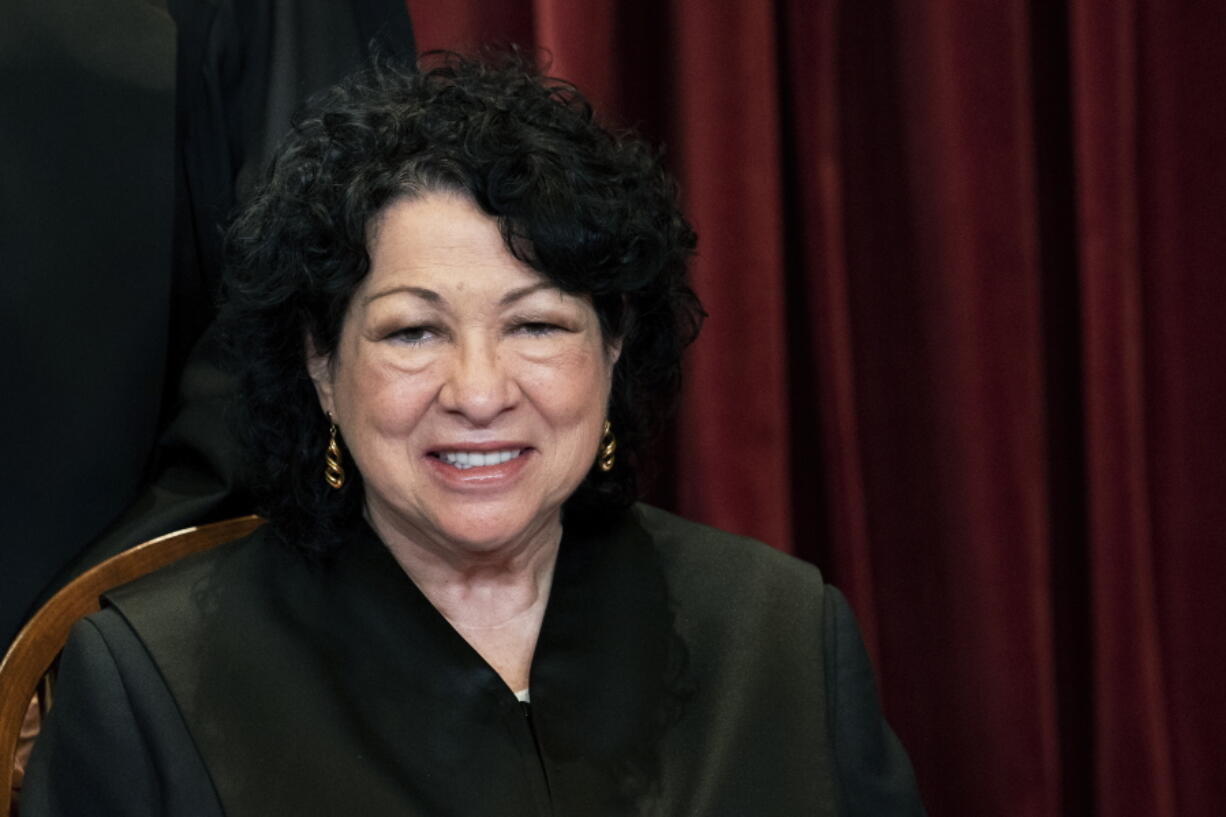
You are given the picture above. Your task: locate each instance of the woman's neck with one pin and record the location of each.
(494, 598)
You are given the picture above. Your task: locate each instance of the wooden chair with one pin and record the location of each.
(25, 672)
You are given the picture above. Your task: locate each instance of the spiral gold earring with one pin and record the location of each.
(334, 472)
(608, 448)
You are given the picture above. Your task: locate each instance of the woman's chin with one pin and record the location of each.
(479, 529)
(497, 534)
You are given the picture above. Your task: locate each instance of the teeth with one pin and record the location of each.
(475, 459)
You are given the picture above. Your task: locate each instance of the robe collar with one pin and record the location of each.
(607, 676)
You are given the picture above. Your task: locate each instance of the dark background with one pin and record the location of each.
(963, 264)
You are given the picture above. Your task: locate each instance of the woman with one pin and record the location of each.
(458, 305)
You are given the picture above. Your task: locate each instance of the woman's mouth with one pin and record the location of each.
(464, 460)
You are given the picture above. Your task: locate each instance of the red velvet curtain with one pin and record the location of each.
(962, 264)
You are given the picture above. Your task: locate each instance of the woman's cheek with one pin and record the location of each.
(572, 387)
(394, 398)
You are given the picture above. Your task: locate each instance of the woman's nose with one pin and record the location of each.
(478, 385)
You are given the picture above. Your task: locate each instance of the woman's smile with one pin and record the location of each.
(480, 469)
(465, 460)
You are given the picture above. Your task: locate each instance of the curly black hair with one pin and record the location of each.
(589, 208)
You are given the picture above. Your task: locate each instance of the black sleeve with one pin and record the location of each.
(114, 744)
(196, 476)
(874, 772)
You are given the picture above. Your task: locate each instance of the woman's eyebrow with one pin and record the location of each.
(421, 292)
(435, 298)
(523, 292)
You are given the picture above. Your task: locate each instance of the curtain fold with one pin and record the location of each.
(732, 189)
(948, 316)
(825, 433)
(1150, 200)
(962, 261)
(1131, 730)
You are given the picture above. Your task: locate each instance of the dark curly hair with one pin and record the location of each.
(589, 208)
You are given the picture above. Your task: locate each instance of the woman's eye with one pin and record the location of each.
(414, 334)
(537, 328)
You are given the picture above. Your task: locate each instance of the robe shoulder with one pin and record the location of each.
(187, 584)
(722, 566)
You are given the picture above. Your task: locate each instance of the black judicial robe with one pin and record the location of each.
(679, 671)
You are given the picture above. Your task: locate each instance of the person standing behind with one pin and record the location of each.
(128, 131)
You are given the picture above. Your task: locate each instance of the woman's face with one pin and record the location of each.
(469, 390)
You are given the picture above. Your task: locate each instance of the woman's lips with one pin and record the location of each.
(489, 467)
(477, 459)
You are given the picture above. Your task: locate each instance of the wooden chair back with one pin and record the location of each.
(29, 659)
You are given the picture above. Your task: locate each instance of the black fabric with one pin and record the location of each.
(117, 743)
(128, 131)
(874, 771)
(86, 203)
(679, 671)
(244, 69)
(196, 470)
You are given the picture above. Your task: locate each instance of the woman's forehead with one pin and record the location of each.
(443, 243)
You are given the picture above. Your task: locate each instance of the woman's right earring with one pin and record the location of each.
(608, 448)
(334, 472)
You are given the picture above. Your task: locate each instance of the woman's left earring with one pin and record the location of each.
(334, 472)
(608, 448)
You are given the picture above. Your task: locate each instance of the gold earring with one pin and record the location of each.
(334, 472)
(608, 448)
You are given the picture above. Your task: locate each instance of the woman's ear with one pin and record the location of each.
(319, 367)
(613, 350)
